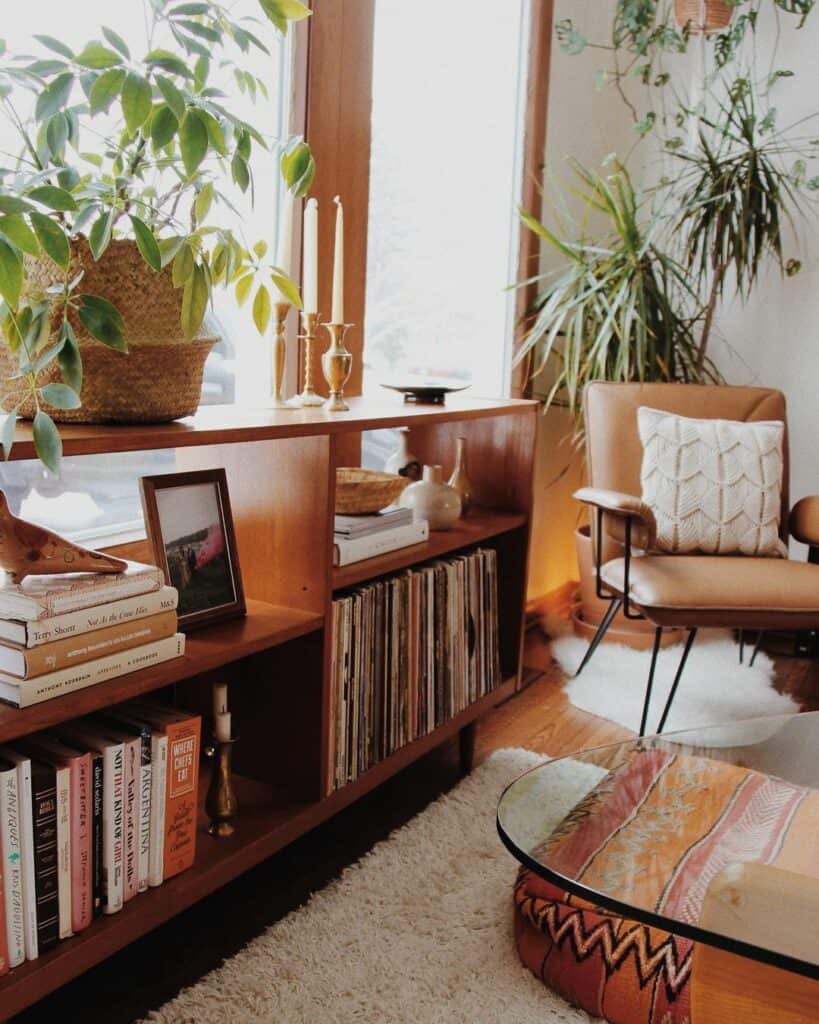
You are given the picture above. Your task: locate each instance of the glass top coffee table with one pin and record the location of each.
(710, 834)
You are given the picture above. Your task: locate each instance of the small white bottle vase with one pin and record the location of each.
(431, 499)
(402, 462)
(460, 479)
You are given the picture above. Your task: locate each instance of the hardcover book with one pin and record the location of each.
(12, 852)
(23, 765)
(46, 853)
(101, 616)
(40, 597)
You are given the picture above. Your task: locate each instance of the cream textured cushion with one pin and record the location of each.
(714, 486)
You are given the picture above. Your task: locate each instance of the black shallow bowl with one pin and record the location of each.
(433, 392)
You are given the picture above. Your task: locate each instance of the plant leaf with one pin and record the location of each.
(240, 171)
(136, 101)
(282, 11)
(7, 436)
(54, 97)
(243, 286)
(182, 266)
(11, 274)
(203, 202)
(103, 321)
(52, 238)
(53, 197)
(60, 396)
(194, 301)
(100, 234)
(70, 360)
(116, 40)
(262, 309)
(56, 45)
(173, 97)
(164, 126)
(17, 231)
(146, 243)
(47, 441)
(96, 57)
(193, 140)
(105, 89)
(287, 288)
(298, 168)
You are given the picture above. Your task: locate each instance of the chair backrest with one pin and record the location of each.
(613, 449)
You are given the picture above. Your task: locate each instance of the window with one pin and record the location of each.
(445, 181)
(95, 499)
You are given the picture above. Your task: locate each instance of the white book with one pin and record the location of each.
(126, 718)
(87, 620)
(357, 549)
(41, 597)
(23, 765)
(23, 693)
(159, 778)
(10, 842)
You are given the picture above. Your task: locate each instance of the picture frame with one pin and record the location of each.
(190, 528)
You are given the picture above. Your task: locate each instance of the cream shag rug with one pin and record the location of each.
(714, 687)
(419, 931)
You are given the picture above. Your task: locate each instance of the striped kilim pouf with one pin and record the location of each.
(654, 833)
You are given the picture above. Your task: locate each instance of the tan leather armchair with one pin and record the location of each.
(685, 591)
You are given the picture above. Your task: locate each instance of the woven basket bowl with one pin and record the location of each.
(158, 380)
(148, 384)
(360, 492)
(703, 15)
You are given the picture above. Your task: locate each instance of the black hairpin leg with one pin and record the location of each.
(759, 636)
(602, 629)
(741, 645)
(658, 636)
(680, 669)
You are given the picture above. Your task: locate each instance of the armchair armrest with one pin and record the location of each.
(622, 506)
(804, 521)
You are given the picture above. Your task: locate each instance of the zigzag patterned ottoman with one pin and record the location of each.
(655, 832)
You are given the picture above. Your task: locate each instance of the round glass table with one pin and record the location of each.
(710, 834)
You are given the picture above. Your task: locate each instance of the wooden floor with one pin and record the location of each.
(151, 971)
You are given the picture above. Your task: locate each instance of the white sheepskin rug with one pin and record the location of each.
(419, 931)
(714, 688)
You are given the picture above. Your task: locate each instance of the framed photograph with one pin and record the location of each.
(187, 516)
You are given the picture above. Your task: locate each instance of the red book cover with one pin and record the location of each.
(182, 793)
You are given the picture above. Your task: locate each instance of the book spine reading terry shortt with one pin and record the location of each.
(92, 821)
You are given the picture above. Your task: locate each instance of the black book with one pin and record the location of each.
(46, 852)
(97, 759)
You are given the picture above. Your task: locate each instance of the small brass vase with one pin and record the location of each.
(220, 803)
(278, 357)
(336, 364)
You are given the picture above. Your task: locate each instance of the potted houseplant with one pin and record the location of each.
(110, 239)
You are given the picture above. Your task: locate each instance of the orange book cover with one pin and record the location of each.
(181, 794)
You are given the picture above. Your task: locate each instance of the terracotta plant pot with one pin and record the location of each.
(159, 379)
(703, 16)
(587, 615)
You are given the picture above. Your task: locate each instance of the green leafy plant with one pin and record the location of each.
(135, 145)
(617, 308)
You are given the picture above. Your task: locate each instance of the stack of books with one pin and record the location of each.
(63, 633)
(92, 813)
(409, 652)
(360, 537)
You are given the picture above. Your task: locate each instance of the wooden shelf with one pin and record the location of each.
(480, 525)
(225, 424)
(265, 626)
(267, 822)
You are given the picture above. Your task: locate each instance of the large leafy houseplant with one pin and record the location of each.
(137, 145)
(639, 303)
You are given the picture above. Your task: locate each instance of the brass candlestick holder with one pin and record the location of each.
(278, 356)
(308, 396)
(336, 364)
(220, 803)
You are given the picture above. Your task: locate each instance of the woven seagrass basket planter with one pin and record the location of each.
(703, 15)
(159, 379)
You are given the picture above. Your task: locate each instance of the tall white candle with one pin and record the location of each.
(222, 727)
(284, 246)
(220, 695)
(309, 282)
(338, 266)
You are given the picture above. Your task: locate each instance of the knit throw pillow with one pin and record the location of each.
(714, 486)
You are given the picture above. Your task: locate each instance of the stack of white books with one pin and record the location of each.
(360, 537)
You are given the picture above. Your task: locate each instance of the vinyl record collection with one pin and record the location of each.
(409, 652)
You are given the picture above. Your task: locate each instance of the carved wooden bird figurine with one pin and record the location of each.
(29, 550)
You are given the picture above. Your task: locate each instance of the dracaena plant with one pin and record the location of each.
(121, 140)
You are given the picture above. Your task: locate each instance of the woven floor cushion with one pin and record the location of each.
(656, 830)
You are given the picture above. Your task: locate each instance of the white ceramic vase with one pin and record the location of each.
(402, 462)
(431, 499)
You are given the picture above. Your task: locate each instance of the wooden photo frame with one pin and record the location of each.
(190, 528)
